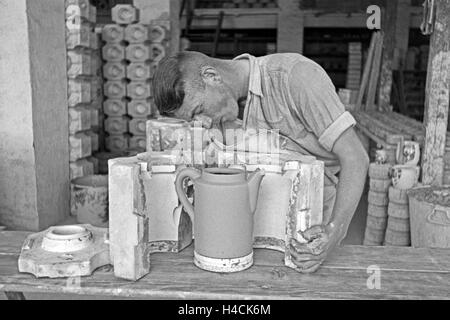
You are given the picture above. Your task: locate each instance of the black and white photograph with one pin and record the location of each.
(216, 153)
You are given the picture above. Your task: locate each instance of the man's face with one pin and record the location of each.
(214, 100)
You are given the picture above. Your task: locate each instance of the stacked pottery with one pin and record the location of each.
(405, 176)
(398, 227)
(378, 201)
(84, 94)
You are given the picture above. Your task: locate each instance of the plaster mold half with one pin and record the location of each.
(65, 251)
(144, 212)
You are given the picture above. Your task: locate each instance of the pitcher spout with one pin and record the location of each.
(254, 182)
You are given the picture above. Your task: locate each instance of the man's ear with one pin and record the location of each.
(210, 75)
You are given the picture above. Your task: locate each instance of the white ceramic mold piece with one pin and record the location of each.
(272, 208)
(65, 251)
(66, 239)
(140, 224)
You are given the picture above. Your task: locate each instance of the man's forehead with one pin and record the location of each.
(190, 102)
(188, 69)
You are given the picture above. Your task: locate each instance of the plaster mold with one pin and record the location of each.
(144, 212)
(65, 251)
(290, 201)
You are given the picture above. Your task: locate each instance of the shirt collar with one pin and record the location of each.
(254, 85)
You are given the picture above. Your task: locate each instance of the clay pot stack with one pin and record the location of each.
(398, 227)
(132, 51)
(378, 204)
(405, 176)
(147, 47)
(114, 71)
(354, 65)
(84, 86)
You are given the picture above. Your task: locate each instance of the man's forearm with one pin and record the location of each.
(349, 189)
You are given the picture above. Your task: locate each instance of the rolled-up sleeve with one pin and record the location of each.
(317, 104)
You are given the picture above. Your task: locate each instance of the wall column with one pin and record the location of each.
(34, 160)
(437, 95)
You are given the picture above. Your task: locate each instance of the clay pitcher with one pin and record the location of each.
(408, 153)
(225, 203)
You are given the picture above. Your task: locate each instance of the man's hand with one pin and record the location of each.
(309, 256)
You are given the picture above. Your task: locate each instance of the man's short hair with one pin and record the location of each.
(169, 79)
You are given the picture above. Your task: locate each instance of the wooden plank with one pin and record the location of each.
(400, 85)
(172, 277)
(217, 34)
(404, 123)
(267, 18)
(366, 72)
(391, 135)
(402, 128)
(437, 97)
(406, 273)
(378, 119)
(410, 121)
(389, 28)
(346, 257)
(416, 127)
(11, 242)
(374, 74)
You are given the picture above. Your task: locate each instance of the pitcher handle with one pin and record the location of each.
(192, 174)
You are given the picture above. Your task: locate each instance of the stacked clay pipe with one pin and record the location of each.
(405, 176)
(114, 71)
(398, 227)
(354, 65)
(132, 51)
(84, 86)
(378, 204)
(147, 48)
(389, 185)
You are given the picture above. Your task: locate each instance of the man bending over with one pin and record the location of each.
(288, 92)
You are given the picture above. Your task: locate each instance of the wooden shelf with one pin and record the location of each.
(419, 274)
(267, 18)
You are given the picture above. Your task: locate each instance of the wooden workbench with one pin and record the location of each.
(405, 273)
